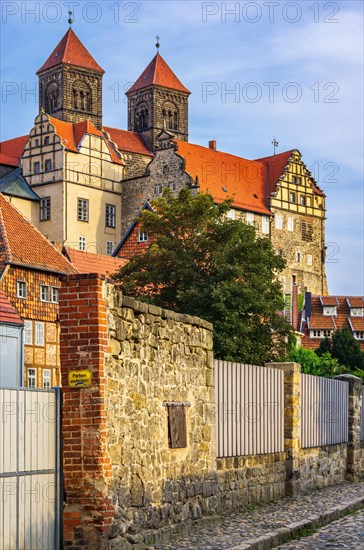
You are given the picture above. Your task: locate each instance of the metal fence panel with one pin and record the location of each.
(324, 411)
(250, 408)
(30, 488)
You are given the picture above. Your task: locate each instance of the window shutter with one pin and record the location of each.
(177, 429)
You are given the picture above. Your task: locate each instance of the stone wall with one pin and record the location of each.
(158, 356)
(322, 466)
(250, 480)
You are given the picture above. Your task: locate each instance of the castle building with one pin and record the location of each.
(93, 180)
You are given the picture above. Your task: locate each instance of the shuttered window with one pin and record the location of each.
(177, 428)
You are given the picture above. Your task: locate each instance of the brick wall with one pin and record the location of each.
(132, 246)
(88, 511)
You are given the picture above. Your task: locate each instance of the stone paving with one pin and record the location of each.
(344, 533)
(274, 522)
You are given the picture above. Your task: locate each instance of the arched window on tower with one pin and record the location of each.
(175, 117)
(52, 97)
(141, 119)
(170, 120)
(81, 96)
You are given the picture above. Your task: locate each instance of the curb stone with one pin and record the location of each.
(280, 536)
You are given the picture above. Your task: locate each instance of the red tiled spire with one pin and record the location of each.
(71, 51)
(158, 73)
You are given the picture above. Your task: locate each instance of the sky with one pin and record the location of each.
(257, 71)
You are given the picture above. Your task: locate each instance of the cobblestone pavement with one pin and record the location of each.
(240, 529)
(344, 533)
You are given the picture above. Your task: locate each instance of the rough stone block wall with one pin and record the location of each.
(322, 466)
(250, 480)
(158, 356)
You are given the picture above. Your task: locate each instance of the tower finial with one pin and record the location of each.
(70, 20)
(158, 44)
(275, 144)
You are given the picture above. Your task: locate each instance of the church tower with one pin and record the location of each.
(70, 83)
(158, 101)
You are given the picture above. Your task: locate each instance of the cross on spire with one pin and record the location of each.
(70, 20)
(157, 44)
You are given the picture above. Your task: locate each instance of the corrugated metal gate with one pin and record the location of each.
(30, 480)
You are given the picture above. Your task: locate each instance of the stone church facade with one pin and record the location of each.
(93, 180)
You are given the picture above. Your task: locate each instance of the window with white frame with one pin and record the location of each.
(32, 378)
(109, 247)
(47, 379)
(302, 200)
(82, 210)
(279, 222)
(110, 215)
(231, 214)
(292, 197)
(45, 293)
(309, 259)
(359, 335)
(250, 218)
(142, 236)
(55, 295)
(21, 289)
(265, 224)
(329, 310)
(39, 333)
(158, 189)
(45, 209)
(28, 332)
(357, 312)
(320, 333)
(82, 243)
(290, 224)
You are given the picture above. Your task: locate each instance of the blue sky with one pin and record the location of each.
(294, 70)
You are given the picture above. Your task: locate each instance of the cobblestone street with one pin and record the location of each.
(344, 533)
(270, 525)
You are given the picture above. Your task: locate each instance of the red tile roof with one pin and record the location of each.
(341, 320)
(72, 134)
(71, 51)
(227, 176)
(8, 314)
(357, 323)
(24, 245)
(276, 165)
(88, 262)
(329, 301)
(128, 141)
(355, 301)
(11, 150)
(158, 73)
(322, 322)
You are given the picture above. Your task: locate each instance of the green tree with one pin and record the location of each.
(311, 363)
(345, 349)
(204, 264)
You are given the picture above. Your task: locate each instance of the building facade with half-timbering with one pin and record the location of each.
(93, 180)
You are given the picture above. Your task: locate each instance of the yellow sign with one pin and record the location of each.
(79, 379)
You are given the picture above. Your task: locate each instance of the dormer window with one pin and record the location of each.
(329, 310)
(357, 312)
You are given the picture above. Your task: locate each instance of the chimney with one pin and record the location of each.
(308, 304)
(212, 144)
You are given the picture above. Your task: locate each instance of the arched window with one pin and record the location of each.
(164, 118)
(52, 96)
(141, 118)
(170, 120)
(82, 96)
(175, 121)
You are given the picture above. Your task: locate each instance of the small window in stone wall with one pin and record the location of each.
(177, 425)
